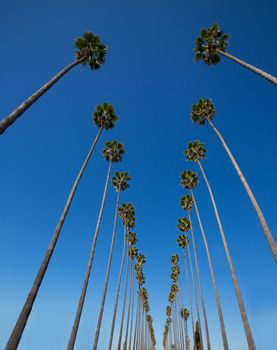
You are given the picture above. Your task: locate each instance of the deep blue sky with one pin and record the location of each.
(151, 80)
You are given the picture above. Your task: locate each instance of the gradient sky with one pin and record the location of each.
(151, 80)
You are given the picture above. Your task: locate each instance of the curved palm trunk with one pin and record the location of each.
(268, 235)
(28, 305)
(256, 70)
(189, 294)
(220, 314)
(195, 299)
(129, 306)
(100, 316)
(246, 325)
(118, 290)
(124, 303)
(12, 117)
(78, 314)
(200, 286)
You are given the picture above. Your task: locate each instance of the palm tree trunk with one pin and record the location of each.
(100, 316)
(189, 294)
(28, 305)
(78, 314)
(220, 314)
(136, 325)
(118, 290)
(124, 302)
(129, 307)
(246, 325)
(195, 299)
(132, 314)
(258, 71)
(13, 116)
(200, 286)
(268, 235)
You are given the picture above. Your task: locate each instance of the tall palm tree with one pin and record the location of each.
(203, 111)
(105, 118)
(127, 214)
(196, 152)
(113, 154)
(89, 50)
(120, 183)
(213, 42)
(187, 203)
(185, 315)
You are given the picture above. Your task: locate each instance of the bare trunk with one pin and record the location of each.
(189, 294)
(100, 316)
(220, 315)
(258, 71)
(12, 117)
(136, 325)
(27, 308)
(118, 290)
(268, 235)
(129, 306)
(132, 315)
(246, 325)
(76, 323)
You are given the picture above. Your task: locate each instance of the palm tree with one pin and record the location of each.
(113, 154)
(120, 183)
(187, 204)
(195, 152)
(89, 51)
(213, 42)
(203, 111)
(127, 213)
(105, 118)
(185, 315)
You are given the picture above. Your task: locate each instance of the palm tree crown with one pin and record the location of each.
(203, 110)
(183, 241)
(184, 224)
(174, 259)
(133, 252)
(195, 151)
(189, 179)
(207, 45)
(104, 116)
(186, 202)
(120, 181)
(90, 50)
(131, 238)
(185, 313)
(113, 151)
(127, 214)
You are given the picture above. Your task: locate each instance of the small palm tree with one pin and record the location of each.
(89, 51)
(203, 112)
(196, 152)
(213, 42)
(113, 153)
(187, 203)
(104, 117)
(120, 183)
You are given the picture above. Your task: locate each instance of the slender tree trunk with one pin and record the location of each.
(118, 289)
(195, 299)
(129, 306)
(200, 286)
(78, 314)
(185, 322)
(132, 313)
(189, 294)
(100, 316)
(136, 325)
(256, 70)
(268, 235)
(27, 307)
(246, 325)
(13, 116)
(220, 314)
(124, 302)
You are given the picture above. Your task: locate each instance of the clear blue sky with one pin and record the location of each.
(151, 80)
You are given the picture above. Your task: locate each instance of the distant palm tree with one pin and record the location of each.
(203, 111)
(105, 118)
(89, 51)
(213, 42)
(127, 213)
(120, 183)
(113, 154)
(189, 180)
(196, 152)
(187, 204)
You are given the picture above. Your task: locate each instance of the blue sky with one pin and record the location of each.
(151, 80)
